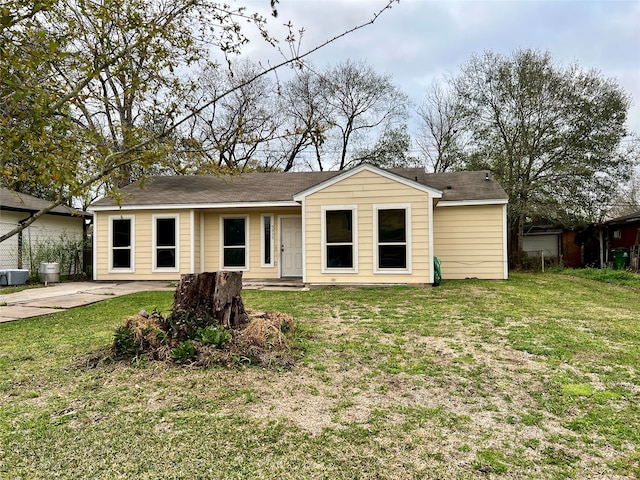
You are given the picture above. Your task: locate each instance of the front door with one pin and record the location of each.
(291, 247)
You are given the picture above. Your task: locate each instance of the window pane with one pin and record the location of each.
(121, 233)
(122, 258)
(166, 257)
(234, 257)
(267, 240)
(392, 256)
(339, 256)
(233, 231)
(391, 226)
(166, 232)
(339, 226)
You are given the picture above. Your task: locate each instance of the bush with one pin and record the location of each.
(213, 335)
(125, 343)
(67, 251)
(183, 352)
(140, 334)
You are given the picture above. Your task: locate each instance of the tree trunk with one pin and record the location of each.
(211, 295)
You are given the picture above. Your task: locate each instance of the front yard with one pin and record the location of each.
(534, 377)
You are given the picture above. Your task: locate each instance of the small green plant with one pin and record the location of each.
(124, 342)
(183, 352)
(213, 335)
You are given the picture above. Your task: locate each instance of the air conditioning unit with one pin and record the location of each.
(14, 276)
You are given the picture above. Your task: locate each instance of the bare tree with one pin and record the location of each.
(234, 131)
(442, 129)
(307, 117)
(627, 200)
(361, 101)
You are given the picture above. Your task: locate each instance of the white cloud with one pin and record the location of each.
(419, 40)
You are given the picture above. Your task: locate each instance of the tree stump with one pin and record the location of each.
(211, 295)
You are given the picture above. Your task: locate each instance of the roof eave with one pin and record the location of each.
(194, 206)
(74, 213)
(463, 203)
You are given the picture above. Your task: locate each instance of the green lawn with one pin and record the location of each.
(534, 377)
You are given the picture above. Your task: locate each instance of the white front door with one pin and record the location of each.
(291, 246)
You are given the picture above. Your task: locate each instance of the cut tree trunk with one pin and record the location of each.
(211, 295)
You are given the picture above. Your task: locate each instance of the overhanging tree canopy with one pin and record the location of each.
(550, 134)
(89, 89)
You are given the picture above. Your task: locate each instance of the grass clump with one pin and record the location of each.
(606, 275)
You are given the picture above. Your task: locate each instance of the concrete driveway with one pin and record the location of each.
(58, 297)
(62, 296)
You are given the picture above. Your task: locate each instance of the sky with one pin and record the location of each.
(419, 41)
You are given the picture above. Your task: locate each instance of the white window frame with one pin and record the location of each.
(247, 237)
(376, 242)
(354, 238)
(176, 218)
(263, 251)
(131, 247)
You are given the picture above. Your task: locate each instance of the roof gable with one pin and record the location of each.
(369, 168)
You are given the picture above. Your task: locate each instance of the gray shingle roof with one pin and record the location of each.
(22, 202)
(459, 186)
(281, 187)
(632, 217)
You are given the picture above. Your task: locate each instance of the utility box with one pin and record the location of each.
(14, 276)
(49, 273)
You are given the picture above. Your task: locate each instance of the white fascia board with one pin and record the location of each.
(434, 193)
(204, 206)
(467, 203)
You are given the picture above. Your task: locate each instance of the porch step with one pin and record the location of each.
(273, 284)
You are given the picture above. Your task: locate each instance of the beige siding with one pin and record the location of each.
(142, 245)
(197, 219)
(206, 254)
(469, 241)
(212, 245)
(364, 190)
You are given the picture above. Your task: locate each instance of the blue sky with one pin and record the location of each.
(418, 41)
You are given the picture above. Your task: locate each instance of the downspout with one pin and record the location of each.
(432, 205)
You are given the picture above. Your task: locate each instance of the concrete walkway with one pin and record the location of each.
(62, 296)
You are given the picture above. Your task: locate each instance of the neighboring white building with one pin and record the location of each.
(61, 224)
(540, 240)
